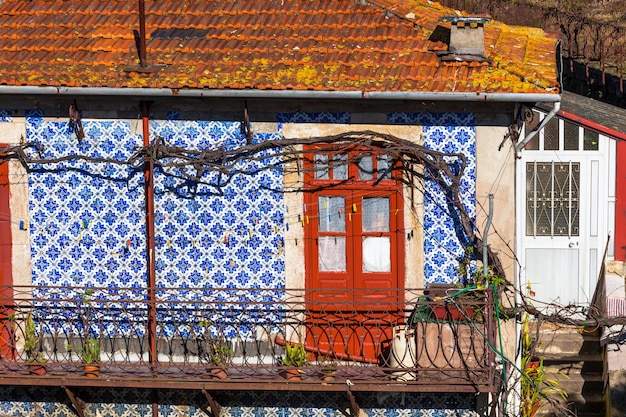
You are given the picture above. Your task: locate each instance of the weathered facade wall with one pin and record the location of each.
(86, 224)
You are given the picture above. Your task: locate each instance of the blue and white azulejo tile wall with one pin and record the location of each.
(223, 230)
(444, 240)
(87, 219)
(87, 222)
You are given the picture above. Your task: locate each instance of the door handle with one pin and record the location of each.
(573, 244)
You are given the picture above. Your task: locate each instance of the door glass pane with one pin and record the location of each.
(366, 168)
(531, 123)
(384, 162)
(566, 180)
(331, 253)
(321, 166)
(570, 136)
(552, 199)
(340, 167)
(551, 135)
(376, 214)
(591, 140)
(376, 254)
(331, 214)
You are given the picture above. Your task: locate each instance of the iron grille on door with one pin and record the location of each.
(552, 198)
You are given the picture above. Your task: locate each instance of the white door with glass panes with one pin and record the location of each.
(563, 205)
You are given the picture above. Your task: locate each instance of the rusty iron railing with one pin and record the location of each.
(383, 339)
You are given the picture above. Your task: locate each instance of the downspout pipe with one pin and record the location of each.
(485, 237)
(143, 61)
(150, 251)
(533, 133)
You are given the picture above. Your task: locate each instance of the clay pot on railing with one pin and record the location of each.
(90, 355)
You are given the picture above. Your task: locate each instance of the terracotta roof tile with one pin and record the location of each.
(271, 44)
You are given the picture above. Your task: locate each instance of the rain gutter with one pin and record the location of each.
(290, 94)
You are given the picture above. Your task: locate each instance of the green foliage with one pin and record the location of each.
(328, 365)
(216, 350)
(90, 354)
(32, 341)
(536, 385)
(478, 277)
(295, 355)
(219, 352)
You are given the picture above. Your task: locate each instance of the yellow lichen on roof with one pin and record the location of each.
(301, 45)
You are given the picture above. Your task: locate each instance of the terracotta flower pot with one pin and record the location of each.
(218, 373)
(452, 313)
(37, 369)
(92, 371)
(328, 375)
(292, 374)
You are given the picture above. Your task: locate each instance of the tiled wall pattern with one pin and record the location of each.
(87, 228)
(444, 240)
(87, 223)
(110, 402)
(6, 115)
(223, 231)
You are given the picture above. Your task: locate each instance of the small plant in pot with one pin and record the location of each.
(219, 356)
(328, 368)
(295, 357)
(32, 347)
(217, 352)
(90, 356)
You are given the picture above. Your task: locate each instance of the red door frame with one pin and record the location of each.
(6, 274)
(620, 202)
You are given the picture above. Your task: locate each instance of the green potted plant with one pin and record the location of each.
(328, 368)
(90, 356)
(456, 302)
(295, 357)
(217, 351)
(32, 347)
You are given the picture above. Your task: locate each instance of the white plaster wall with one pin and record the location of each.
(495, 174)
(12, 134)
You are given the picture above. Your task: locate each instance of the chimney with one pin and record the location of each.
(467, 35)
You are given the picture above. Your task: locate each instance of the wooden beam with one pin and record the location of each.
(216, 408)
(79, 405)
(354, 406)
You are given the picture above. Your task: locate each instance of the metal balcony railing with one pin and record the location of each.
(374, 340)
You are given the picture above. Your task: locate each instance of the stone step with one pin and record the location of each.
(586, 402)
(579, 385)
(568, 344)
(575, 358)
(578, 403)
(578, 368)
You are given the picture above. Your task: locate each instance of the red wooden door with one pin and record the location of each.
(354, 263)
